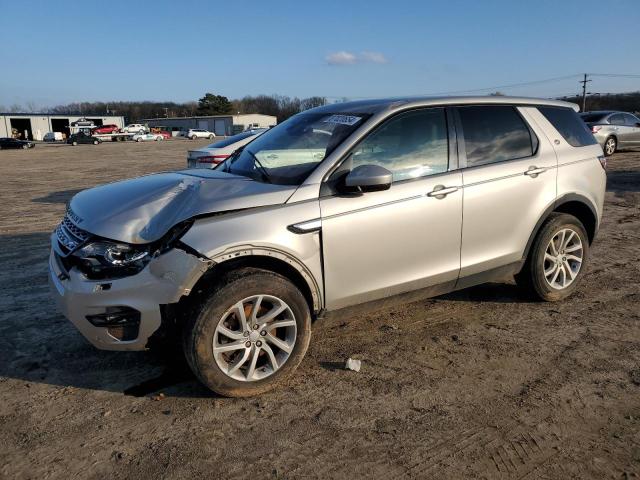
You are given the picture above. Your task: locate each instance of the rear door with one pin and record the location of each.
(621, 130)
(632, 123)
(379, 244)
(509, 179)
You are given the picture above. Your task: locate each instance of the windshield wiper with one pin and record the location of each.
(263, 170)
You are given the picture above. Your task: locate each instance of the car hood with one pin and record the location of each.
(142, 210)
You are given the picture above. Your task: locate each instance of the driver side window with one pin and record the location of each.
(410, 145)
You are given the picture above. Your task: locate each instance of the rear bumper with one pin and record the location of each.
(162, 282)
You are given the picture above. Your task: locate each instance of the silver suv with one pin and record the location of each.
(340, 207)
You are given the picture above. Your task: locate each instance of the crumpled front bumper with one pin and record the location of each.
(163, 281)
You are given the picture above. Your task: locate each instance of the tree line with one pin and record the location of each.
(280, 106)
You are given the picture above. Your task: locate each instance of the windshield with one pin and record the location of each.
(235, 138)
(289, 152)
(593, 117)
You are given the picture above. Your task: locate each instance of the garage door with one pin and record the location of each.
(203, 125)
(219, 128)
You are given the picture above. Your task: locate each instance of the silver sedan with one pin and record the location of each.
(613, 130)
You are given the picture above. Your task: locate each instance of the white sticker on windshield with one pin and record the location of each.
(343, 119)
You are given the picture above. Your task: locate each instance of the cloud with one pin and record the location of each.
(341, 58)
(347, 58)
(373, 57)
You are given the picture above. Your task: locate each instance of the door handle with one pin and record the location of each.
(272, 156)
(440, 191)
(534, 171)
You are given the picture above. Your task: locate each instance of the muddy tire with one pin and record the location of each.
(248, 334)
(557, 259)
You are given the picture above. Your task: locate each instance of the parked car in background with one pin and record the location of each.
(216, 153)
(53, 137)
(332, 212)
(134, 128)
(147, 137)
(7, 143)
(194, 133)
(166, 135)
(613, 129)
(82, 138)
(106, 129)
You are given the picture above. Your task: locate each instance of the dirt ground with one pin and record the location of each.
(476, 384)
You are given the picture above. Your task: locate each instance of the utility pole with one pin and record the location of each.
(584, 92)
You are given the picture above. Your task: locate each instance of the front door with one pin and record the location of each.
(379, 244)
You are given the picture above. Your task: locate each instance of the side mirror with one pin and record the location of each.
(369, 178)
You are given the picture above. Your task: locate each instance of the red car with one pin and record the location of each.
(106, 129)
(165, 135)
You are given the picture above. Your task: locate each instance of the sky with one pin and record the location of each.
(58, 52)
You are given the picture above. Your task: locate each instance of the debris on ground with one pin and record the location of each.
(352, 364)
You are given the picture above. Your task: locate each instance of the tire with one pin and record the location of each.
(208, 314)
(24, 147)
(210, 137)
(75, 144)
(138, 139)
(158, 139)
(610, 146)
(96, 142)
(551, 282)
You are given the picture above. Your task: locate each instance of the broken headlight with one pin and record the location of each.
(101, 259)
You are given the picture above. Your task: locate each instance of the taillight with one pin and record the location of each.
(603, 161)
(212, 159)
(595, 128)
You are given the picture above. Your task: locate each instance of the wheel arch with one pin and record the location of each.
(271, 260)
(573, 204)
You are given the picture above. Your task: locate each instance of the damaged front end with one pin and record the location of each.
(116, 293)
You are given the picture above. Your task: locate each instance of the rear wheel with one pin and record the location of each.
(95, 142)
(138, 139)
(249, 335)
(610, 146)
(557, 259)
(74, 143)
(210, 137)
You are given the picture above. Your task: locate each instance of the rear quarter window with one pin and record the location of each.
(569, 125)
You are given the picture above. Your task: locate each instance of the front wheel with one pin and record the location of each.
(74, 143)
(138, 139)
(95, 142)
(610, 146)
(557, 259)
(24, 147)
(210, 137)
(249, 334)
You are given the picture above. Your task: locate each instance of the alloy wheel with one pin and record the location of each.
(610, 146)
(563, 258)
(254, 338)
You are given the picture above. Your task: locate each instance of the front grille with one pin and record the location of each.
(70, 236)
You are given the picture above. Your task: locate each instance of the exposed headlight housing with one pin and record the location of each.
(107, 259)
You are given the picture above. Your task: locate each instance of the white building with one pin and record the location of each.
(34, 126)
(221, 125)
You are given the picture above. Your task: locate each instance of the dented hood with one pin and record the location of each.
(143, 209)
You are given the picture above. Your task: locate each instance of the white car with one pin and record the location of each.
(212, 155)
(147, 137)
(135, 128)
(194, 133)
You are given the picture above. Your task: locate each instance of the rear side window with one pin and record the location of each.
(495, 133)
(570, 125)
(616, 119)
(631, 120)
